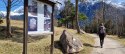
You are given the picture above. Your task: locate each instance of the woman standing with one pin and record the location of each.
(102, 34)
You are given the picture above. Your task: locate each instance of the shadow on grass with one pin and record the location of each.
(58, 45)
(17, 35)
(14, 30)
(89, 45)
(97, 47)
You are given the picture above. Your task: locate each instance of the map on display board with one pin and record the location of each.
(39, 17)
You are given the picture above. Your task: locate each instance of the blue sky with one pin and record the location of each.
(3, 7)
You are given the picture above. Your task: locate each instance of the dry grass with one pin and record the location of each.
(38, 45)
(14, 23)
(121, 40)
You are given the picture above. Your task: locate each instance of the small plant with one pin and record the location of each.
(1, 21)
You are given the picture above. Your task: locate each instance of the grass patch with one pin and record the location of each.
(88, 43)
(38, 45)
(14, 23)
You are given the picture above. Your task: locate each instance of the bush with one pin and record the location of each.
(1, 21)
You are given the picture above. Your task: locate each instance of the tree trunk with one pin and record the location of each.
(77, 22)
(8, 32)
(72, 24)
(66, 23)
(103, 12)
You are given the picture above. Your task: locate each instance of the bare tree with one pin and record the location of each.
(10, 4)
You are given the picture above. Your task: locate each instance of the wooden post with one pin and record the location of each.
(52, 30)
(25, 34)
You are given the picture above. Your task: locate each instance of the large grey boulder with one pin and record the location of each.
(70, 43)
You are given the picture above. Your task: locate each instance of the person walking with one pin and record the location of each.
(102, 34)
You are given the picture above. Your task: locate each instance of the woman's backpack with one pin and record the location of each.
(102, 30)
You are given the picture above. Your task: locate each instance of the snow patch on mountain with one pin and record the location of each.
(115, 3)
(3, 13)
(19, 10)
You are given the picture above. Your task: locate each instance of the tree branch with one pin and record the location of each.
(5, 2)
(13, 3)
(16, 3)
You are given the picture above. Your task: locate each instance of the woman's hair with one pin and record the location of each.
(101, 24)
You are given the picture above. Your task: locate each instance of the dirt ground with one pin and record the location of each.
(110, 46)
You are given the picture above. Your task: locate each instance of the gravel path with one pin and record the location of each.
(110, 46)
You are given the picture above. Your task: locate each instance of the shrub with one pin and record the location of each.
(1, 21)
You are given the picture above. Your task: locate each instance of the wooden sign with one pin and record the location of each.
(38, 20)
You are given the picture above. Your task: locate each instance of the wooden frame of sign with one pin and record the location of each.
(26, 25)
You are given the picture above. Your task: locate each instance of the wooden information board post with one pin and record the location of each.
(36, 23)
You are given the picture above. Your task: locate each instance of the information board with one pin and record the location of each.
(39, 18)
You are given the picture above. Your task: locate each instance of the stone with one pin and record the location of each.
(70, 43)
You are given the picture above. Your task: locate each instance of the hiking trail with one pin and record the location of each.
(110, 46)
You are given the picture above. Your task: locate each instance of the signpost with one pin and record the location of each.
(25, 34)
(52, 29)
(38, 20)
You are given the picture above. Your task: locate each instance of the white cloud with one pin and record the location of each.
(12, 13)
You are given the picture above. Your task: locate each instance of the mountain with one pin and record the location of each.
(89, 9)
(19, 10)
(114, 13)
(111, 10)
(17, 17)
(17, 14)
(1, 14)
